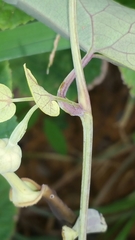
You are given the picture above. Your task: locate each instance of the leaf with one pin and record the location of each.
(128, 76)
(114, 229)
(55, 136)
(122, 205)
(5, 74)
(126, 229)
(43, 99)
(6, 128)
(128, 3)
(104, 26)
(7, 108)
(7, 211)
(27, 40)
(21, 111)
(10, 17)
(21, 237)
(61, 67)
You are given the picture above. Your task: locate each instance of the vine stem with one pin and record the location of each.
(87, 121)
(83, 96)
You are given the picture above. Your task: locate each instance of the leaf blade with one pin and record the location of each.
(7, 107)
(128, 76)
(11, 17)
(43, 99)
(55, 136)
(28, 40)
(96, 26)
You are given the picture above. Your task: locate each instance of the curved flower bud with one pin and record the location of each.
(10, 152)
(24, 192)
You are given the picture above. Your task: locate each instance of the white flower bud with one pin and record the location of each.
(10, 156)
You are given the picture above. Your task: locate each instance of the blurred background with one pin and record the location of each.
(52, 147)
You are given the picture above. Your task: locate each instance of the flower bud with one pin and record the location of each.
(10, 152)
(10, 156)
(24, 192)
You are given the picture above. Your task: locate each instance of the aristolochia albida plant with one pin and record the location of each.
(25, 192)
(103, 33)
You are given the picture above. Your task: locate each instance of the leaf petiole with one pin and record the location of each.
(25, 99)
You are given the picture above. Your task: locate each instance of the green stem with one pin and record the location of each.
(66, 100)
(25, 99)
(87, 122)
(83, 96)
(56, 98)
(21, 128)
(15, 182)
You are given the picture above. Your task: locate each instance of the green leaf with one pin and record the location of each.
(22, 109)
(28, 40)
(118, 206)
(43, 99)
(126, 229)
(21, 237)
(6, 128)
(113, 229)
(5, 74)
(128, 3)
(10, 17)
(104, 26)
(7, 107)
(55, 136)
(61, 67)
(128, 77)
(7, 211)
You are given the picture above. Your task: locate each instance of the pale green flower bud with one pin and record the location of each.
(10, 156)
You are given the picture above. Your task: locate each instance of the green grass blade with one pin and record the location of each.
(28, 40)
(126, 229)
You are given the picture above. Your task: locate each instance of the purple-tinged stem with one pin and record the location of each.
(62, 91)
